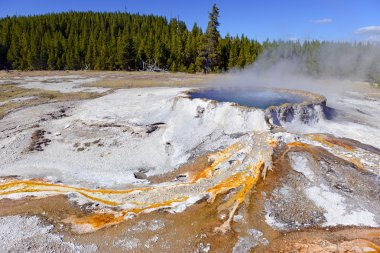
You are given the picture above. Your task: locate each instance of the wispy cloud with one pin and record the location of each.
(322, 21)
(368, 30)
(371, 33)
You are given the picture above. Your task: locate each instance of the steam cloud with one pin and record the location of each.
(331, 68)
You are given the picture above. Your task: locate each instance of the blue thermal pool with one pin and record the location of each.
(257, 97)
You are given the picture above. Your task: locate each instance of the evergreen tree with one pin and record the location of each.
(234, 54)
(208, 57)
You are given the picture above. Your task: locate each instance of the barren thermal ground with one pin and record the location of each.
(162, 162)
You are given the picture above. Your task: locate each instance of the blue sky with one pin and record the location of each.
(292, 19)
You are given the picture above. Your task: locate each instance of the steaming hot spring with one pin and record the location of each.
(279, 105)
(256, 164)
(251, 97)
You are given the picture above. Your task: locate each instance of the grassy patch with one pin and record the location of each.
(9, 92)
(151, 79)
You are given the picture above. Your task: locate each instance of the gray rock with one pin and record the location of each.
(181, 177)
(140, 175)
(200, 111)
(144, 170)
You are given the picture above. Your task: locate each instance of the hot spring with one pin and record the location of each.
(253, 97)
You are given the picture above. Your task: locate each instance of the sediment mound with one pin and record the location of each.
(222, 163)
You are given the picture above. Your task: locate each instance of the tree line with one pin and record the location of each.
(123, 41)
(117, 41)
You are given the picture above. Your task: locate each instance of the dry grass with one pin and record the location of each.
(150, 79)
(125, 84)
(123, 79)
(11, 91)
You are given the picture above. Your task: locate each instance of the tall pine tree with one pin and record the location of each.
(208, 57)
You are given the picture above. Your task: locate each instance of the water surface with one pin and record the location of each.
(257, 97)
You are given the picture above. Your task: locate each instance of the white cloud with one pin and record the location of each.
(368, 30)
(322, 21)
(369, 33)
